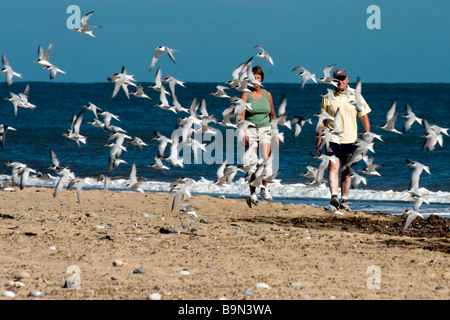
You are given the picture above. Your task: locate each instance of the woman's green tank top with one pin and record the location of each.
(259, 115)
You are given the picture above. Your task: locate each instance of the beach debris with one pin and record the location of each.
(262, 285)
(16, 284)
(185, 272)
(69, 284)
(22, 275)
(154, 296)
(9, 294)
(139, 271)
(119, 263)
(247, 292)
(36, 294)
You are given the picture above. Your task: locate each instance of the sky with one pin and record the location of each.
(410, 41)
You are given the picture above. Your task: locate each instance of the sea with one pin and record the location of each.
(41, 129)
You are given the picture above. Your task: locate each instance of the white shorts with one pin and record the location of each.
(259, 135)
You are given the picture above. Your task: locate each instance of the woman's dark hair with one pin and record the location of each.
(258, 70)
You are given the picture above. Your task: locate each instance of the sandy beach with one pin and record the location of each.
(131, 246)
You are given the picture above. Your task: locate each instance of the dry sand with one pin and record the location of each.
(294, 252)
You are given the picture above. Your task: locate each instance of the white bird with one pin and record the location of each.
(322, 115)
(107, 182)
(159, 51)
(368, 136)
(411, 215)
(43, 57)
(282, 115)
(107, 117)
(327, 78)
(220, 93)
(358, 102)
(17, 167)
(158, 164)
(134, 183)
(84, 29)
(15, 100)
(56, 166)
(236, 76)
(172, 83)
(183, 187)
(163, 141)
(158, 81)
(319, 177)
(24, 99)
(20, 100)
(8, 71)
(25, 174)
(139, 92)
(97, 123)
(299, 122)
(356, 178)
(264, 55)
(79, 186)
(115, 163)
(53, 70)
(391, 117)
(329, 95)
(92, 107)
(116, 151)
(332, 209)
(174, 157)
(311, 172)
(189, 209)
(432, 136)
(164, 103)
(415, 176)
(410, 118)
(121, 80)
(438, 129)
(65, 176)
(74, 132)
(197, 145)
(306, 75)
(136, 141)
(371, 168)
(3, 129)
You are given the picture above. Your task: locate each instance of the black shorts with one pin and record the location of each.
(341, 151)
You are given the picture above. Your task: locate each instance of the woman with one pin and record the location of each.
(259, 133)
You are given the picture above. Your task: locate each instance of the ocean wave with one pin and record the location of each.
(239, 188)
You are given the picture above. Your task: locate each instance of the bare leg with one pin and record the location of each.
(265, 150)
(346, 182)
(333, 176)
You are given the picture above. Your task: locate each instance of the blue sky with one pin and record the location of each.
(214, 37)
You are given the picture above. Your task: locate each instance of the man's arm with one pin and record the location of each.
(365, 122)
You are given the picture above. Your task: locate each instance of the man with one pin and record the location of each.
(342, 145)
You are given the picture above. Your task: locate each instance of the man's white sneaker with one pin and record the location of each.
(266, 194)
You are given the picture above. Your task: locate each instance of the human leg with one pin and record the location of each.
(265, 153)
(333, 181)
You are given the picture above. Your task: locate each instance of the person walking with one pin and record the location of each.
(259, 132)
(342, 145)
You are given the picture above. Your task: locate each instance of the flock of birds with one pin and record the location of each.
(198, 120)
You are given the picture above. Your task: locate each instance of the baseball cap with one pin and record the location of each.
(339, 73)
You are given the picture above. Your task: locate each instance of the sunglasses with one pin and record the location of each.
(340, 78)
